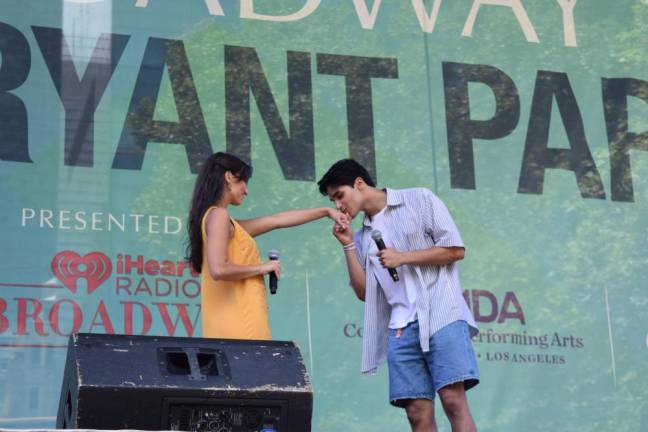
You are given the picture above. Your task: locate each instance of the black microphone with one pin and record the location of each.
(377, 236)
(273, 255)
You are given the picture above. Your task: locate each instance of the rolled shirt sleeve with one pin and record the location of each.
(438, 223)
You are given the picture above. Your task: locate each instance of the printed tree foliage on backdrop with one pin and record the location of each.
(524, 141)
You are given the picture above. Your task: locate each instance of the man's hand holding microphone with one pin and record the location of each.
(389, 258)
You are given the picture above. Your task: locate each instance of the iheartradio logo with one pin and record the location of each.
(69, 266)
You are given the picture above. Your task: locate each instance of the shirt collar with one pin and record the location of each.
(394, 198)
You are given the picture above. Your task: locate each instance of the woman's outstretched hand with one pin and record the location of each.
(342, 227)
(342, 220)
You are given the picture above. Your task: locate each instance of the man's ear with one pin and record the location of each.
(359, 183)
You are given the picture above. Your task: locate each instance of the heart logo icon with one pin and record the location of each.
(68, 267)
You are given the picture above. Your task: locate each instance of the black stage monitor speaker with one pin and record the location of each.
(190, 384)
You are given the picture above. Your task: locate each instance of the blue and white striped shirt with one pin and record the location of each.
(417, 219)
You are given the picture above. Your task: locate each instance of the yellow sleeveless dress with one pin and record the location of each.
(234, 309)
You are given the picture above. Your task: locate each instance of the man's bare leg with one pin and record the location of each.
(420, 413)
(455, 405)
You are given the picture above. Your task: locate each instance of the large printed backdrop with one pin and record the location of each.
(528, 118)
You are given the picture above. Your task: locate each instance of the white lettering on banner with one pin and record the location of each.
(27, 213)
(167, 224)
(518, 10)
(367, 19)
(63, 219)
(113, 219)
(137, 218)
(426, 21)
(79, 220)
(213, 6)
(567, 7)
(153, 224)
(45, 217)
(247, 11)
(78, 216)
(97, 222)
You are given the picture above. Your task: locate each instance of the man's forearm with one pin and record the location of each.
(356, 274)
(433, 256)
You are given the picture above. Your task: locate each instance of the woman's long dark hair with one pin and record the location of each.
(209, 189)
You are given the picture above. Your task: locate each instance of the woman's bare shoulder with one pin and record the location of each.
(217, 218)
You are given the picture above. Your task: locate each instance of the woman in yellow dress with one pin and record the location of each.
(233, 294)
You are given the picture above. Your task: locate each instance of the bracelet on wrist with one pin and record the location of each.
(350, 246)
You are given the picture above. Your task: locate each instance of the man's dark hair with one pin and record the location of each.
(343, 173)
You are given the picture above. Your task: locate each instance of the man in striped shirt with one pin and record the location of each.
(415, 318)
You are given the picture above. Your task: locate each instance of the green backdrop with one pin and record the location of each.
(528, 118)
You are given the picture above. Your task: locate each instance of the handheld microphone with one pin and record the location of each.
(377, 236)
(273, 255)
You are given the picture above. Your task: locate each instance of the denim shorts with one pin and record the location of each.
(414, 374)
